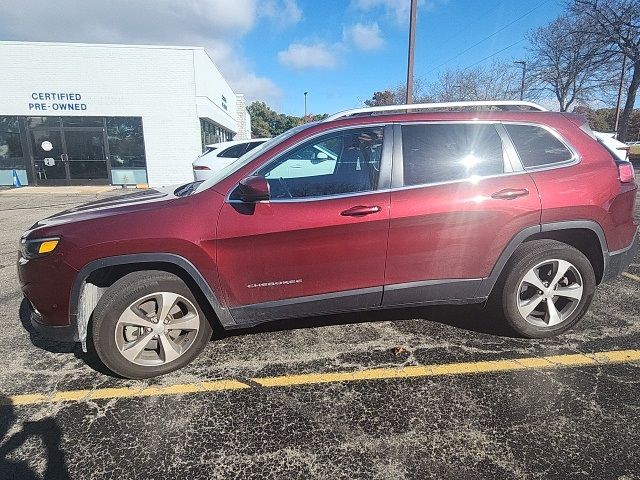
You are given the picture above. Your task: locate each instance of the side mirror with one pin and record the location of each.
(253, 189)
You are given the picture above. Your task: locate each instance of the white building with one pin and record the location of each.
(111, 114)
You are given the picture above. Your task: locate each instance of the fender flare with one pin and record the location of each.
(487, 285)
(224, 316)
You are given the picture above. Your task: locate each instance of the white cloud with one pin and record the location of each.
(364, 37)
(282, 12)
(216, 25)
(300, 56)
(397, 9)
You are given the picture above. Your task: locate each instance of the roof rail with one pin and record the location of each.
(433, 106)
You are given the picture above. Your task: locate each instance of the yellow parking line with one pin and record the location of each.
(631, 276)
(462, 368)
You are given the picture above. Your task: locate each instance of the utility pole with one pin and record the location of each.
(305, 107)
(524, 71)
(624, 64)
(412, 39)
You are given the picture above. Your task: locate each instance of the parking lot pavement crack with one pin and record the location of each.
(249, 382)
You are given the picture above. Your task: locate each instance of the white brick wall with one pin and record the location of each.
(244, 120)
(169, 87)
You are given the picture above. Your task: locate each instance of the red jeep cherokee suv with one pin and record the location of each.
(371, 208)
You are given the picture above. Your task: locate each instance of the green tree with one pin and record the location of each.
(381, 99)
(266, 122)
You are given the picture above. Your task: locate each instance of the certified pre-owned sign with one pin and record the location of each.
(58, 101)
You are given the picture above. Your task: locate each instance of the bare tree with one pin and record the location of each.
(565, 62)
(616, 24)
(499, 81)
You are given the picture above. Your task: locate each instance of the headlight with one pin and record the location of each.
(38, 247)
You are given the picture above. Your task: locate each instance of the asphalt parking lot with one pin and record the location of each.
(412, 393)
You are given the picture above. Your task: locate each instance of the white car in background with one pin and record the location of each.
(216, 156)
(616, 147)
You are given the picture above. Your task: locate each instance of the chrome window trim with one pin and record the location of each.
(385, 165)
(397, 164)
(314, 199)
(398, 179)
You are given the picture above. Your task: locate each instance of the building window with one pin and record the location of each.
(126, 150)
(213, 133)
(11, 155)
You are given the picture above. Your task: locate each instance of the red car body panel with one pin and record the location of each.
(309, 246)
(433, 232)
(456, 230)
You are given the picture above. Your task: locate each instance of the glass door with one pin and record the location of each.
(86, 155)
(69, 151)
(48, 157)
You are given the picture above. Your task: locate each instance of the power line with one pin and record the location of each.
(494, 54)
(488, 37)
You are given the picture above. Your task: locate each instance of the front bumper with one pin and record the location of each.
(617, 262)
(65, 333)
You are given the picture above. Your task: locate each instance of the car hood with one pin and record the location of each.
(148, 199)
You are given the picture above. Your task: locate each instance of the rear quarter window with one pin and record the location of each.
(536, 146)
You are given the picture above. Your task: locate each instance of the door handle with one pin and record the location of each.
(510, 193)
(360, 211)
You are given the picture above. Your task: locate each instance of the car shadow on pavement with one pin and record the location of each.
(37, 340)
(468, 317)
(47, 430)
(52, 346)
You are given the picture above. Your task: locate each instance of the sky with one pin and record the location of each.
(339, 51)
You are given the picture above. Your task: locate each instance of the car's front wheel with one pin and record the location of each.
(148, 324)
(548, 288)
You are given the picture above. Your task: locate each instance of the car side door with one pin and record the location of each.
(319, 243)
(459, 196)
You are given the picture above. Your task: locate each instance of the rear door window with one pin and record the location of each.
(536, 146)
(435, 153)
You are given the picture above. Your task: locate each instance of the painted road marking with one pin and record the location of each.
(631, 276)
(463, 368)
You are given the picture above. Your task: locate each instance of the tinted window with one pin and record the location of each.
(345, 162)
(126, 142)
(234, 152)
(253, 145)
(10, 146)
(537, 146)
(443, 153)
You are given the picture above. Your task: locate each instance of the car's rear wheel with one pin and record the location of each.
(548, 288)
(148, 324)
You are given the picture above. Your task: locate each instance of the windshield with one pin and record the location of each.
(249, 156)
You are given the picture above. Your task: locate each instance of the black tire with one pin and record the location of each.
(526, 257)
(117, 299)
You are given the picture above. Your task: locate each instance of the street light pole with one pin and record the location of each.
(524, 71)
(305, 107)
(412, 38)
(624, 64)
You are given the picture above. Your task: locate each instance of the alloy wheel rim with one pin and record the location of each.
(157, 329)
(549, 293)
